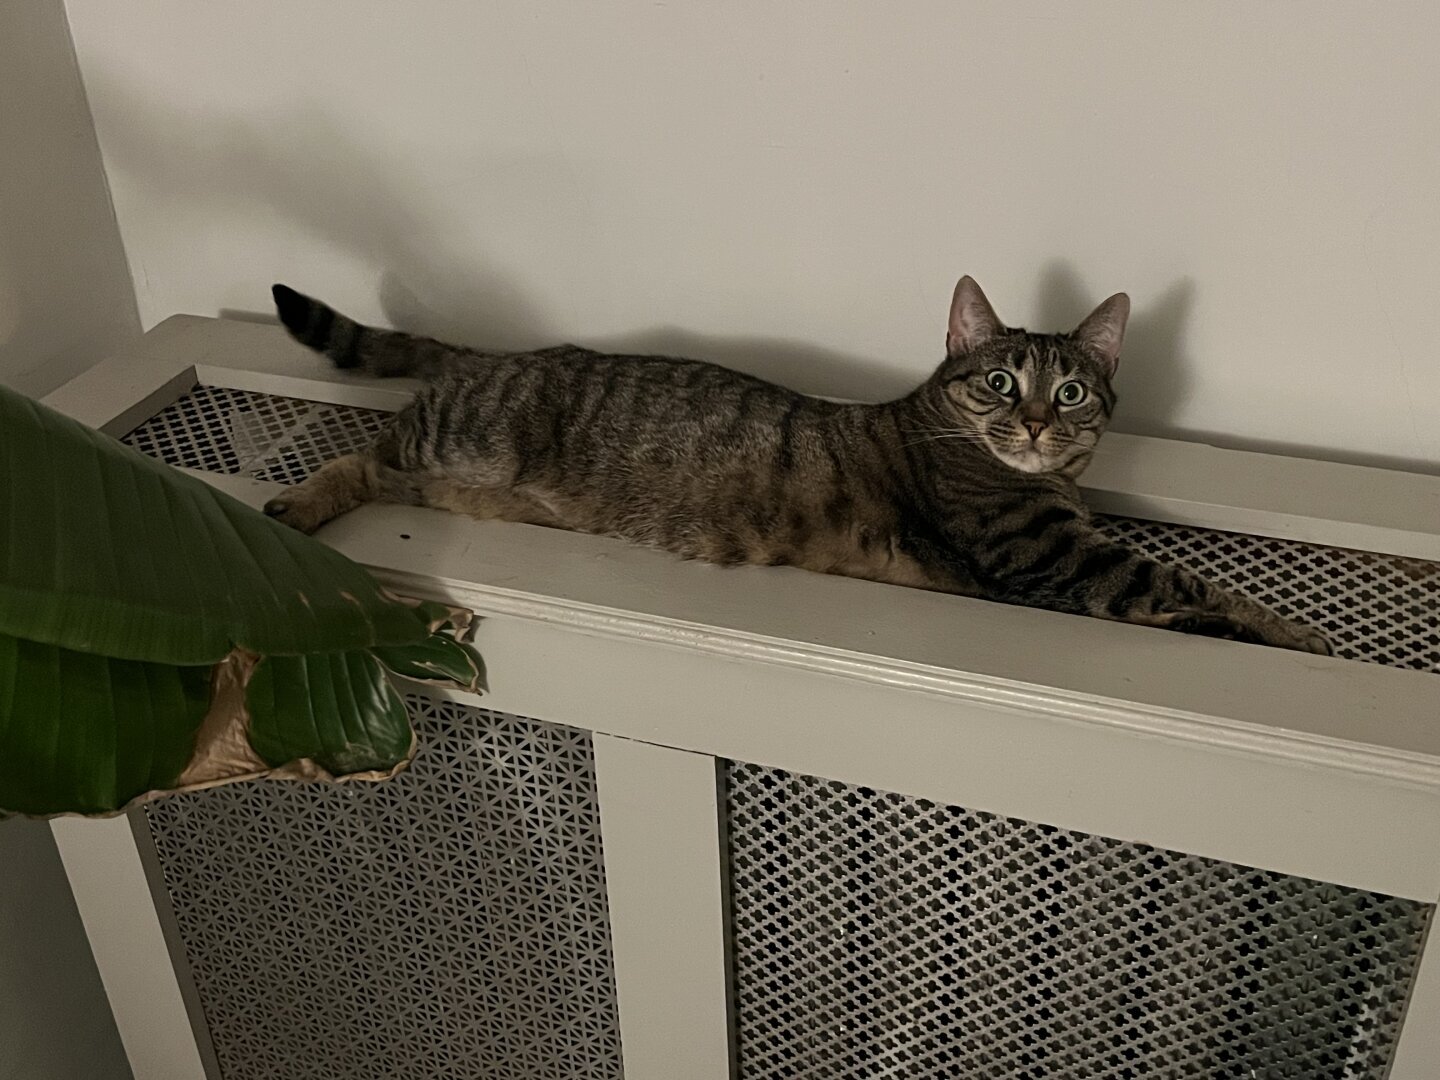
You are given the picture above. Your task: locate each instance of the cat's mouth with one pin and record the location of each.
(1030, 460)
(1026, 456)
(1051, 453)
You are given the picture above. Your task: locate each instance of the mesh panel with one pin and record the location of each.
(260, 435)
(882, 936)
(1377, 608)
(450, 923)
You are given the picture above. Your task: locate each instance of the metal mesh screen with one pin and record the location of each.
(450, 923)
(1377, 608)
(876, 935)
(261, 435)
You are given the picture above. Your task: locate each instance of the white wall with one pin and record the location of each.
(794, 187)
(55, 1023)
(65, 294)
(65, 300)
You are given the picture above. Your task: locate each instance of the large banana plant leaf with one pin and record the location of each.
(157, 635)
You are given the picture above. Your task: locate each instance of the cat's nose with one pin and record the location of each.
(1035, 427)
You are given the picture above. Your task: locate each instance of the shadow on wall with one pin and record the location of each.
(1155, 371)
(300, 167)
(809, 368)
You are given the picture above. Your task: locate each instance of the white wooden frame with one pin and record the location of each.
(1300, 764)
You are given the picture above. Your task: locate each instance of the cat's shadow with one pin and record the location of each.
(1155, 374)
(1155, 335)
(806, 368)
(381, 210)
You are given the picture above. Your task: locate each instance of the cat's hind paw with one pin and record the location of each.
(292, 512)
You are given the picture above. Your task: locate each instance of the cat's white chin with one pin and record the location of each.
(1028, 461)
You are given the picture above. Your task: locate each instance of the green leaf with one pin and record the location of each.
(338, 710)
(437, 659)
(84, 733)
(104, 550)
(458, 622)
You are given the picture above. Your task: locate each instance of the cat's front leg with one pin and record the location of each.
(1068, 565)
(1260, 626)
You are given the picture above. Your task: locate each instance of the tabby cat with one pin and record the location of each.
(966, 485)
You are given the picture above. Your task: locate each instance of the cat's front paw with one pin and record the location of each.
(1284, 634)
(1208, 624)
(1273, 631)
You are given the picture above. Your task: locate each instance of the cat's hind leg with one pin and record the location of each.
(340, 486)
(388, 470)
(336, 487)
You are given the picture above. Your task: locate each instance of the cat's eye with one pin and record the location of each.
(1070, 393)
(1002, 382)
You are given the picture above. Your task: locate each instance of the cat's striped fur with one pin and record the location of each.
(965, 485)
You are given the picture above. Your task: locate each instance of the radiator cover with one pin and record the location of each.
(452, 923)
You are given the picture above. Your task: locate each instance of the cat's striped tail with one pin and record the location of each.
(350, 344)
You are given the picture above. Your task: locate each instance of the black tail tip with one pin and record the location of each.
(292, 307)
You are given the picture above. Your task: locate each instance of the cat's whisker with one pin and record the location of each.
(966, 437)
(948, 430)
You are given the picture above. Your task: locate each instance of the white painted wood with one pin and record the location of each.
(1417, 1057)
(1280, 815)
(174, 940)
(119, 394)
(660, 822)
(388, 395)
(1361, 717)
(1319, 502)
(111, 890)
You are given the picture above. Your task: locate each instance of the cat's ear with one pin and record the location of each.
(1103, 330)
(972, 320)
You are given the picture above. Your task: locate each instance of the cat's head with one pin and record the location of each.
(1037, 402)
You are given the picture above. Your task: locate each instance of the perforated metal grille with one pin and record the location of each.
(881, 936)
(1376, 608)
(450, 923)
(261, 435)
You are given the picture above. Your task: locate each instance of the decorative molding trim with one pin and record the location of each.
(1074, 707)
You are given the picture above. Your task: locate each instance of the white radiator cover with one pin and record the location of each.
(950, 838)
